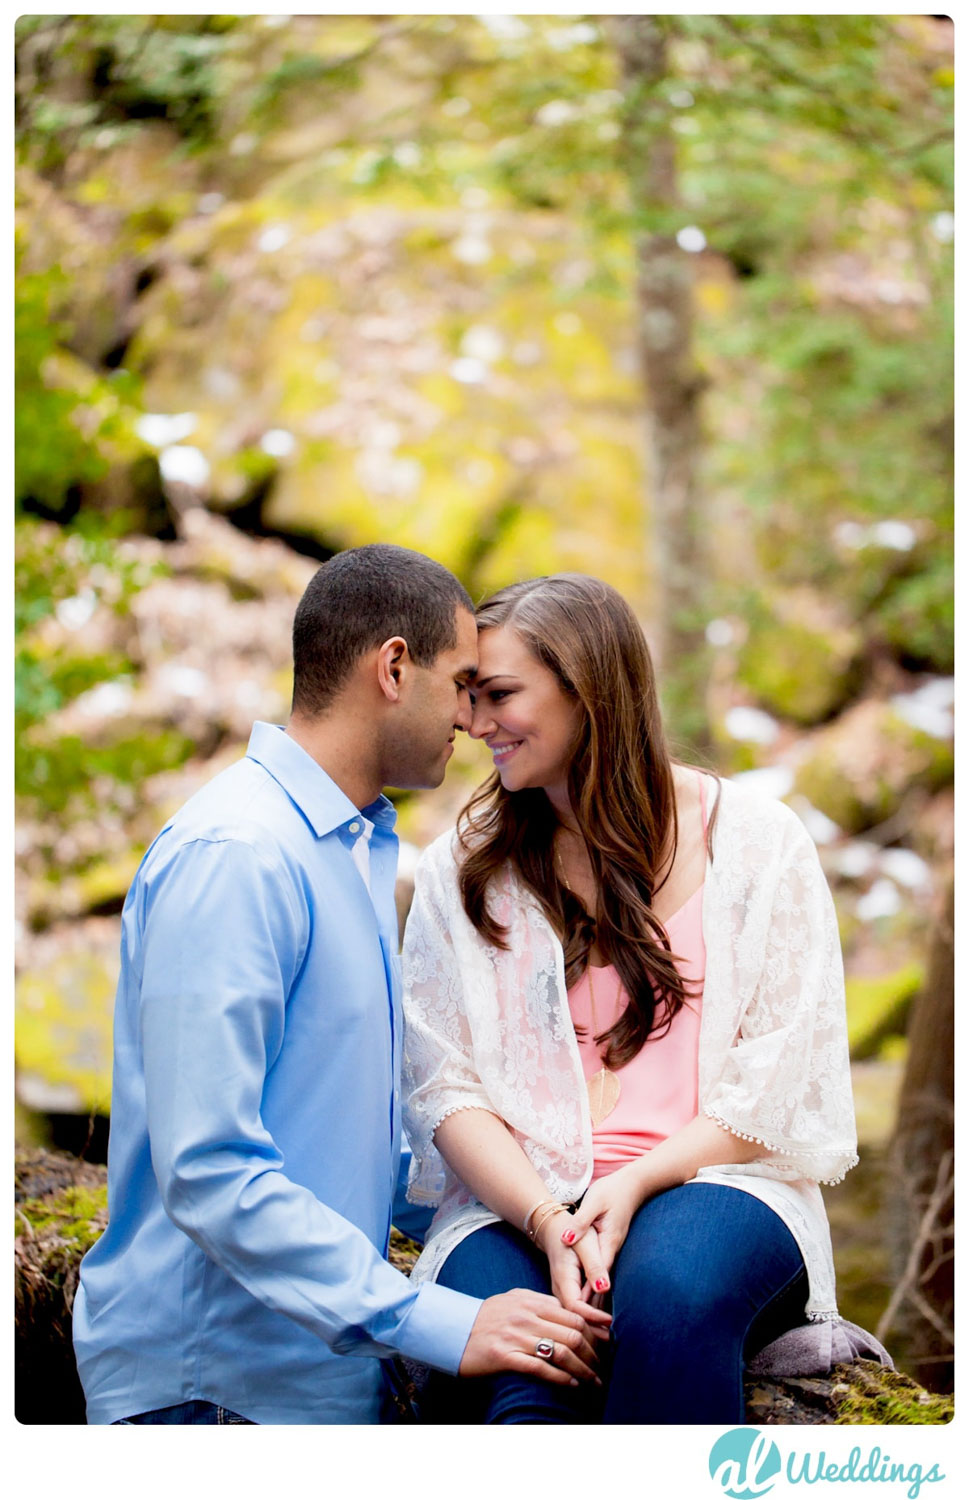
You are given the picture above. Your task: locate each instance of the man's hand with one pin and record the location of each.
(508, 1328)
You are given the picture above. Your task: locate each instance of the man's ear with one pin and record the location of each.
(393, 667)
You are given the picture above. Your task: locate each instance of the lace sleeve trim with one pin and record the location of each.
(454, 1109)
(851, 1158)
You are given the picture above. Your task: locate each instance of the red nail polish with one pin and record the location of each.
(569, 1236)
(601, 1285)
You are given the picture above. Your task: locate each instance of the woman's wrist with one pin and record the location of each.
(536, 1213)
(548, 1226)
(638, 1180)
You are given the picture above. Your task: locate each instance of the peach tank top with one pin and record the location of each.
(659, 1085)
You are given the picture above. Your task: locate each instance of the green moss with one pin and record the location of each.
(106, 882)
(76, 1215)
(801, 669)
(63, 1026)
(878, 1007)
(918, 618)
(868, 1396)
(859, 770)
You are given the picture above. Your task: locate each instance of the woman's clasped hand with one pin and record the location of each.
(576, 1272)
(625, 1051)
(598, 1229)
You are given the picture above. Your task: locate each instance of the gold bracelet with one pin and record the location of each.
(551, 1210)
(548, 1214)
(528, 1217)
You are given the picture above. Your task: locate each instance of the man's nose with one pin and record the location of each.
(463, 718)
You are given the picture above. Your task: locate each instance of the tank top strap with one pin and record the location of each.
(704, 813)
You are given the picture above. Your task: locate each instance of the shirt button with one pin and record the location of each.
(354, 827)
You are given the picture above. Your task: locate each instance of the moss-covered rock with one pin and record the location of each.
(859, 770)
(64, 1007)
(861, 1393)
(865, 1394)
(878, 1007)
(800, 659)
(61, 1208)
(98, 890)
(917, 619)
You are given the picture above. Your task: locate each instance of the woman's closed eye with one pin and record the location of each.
(494, 695)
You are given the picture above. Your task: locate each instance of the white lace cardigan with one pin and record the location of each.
(490, 1029)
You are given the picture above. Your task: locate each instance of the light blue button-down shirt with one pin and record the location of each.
(255, 1119)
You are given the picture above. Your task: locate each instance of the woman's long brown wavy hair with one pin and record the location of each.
(620, 785)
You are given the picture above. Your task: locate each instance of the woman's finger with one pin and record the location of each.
(578, 1226)
(566, 1274)
(594, 1263)
(580, 1317)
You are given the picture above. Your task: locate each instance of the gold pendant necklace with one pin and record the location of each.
(603, 1087)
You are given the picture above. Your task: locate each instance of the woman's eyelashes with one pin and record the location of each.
(493, 695)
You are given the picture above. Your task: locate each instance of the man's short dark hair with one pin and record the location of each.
(358, 600)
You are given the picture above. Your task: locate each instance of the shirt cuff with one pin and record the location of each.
(437, 1327)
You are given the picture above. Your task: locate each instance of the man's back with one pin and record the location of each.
(256, 1038)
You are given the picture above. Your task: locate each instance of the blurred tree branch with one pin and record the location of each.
(922, 1201)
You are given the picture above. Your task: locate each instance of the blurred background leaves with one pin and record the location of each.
(664, 299)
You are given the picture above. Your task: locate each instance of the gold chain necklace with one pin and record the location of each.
(605, 1086)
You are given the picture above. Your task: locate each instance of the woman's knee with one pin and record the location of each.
(657, 1299)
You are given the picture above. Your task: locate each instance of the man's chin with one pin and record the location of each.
(422, 781)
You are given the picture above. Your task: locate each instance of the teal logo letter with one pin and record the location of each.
(744, 1463)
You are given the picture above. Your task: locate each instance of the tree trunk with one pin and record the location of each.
(921, 1204)
(664, 278)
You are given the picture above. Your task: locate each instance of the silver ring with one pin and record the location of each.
(545, 1349)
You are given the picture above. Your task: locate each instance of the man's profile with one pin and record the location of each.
(255, 1123)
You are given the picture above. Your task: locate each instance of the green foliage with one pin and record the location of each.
(878, 1007)
(918, 616)
(52, 771)
(813, 152)
(50, 452)
(129, 68)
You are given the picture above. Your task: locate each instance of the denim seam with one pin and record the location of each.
(761, 1311)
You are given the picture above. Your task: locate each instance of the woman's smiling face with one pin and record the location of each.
(522, 712)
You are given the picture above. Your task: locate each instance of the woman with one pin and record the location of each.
(624, 992)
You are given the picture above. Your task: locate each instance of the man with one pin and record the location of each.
(255, 1129)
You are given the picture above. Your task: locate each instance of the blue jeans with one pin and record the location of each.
(707, 1275)
(187, 1413)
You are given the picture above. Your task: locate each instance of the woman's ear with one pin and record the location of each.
(393, 666)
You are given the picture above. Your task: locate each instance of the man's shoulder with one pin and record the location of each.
(242, 806)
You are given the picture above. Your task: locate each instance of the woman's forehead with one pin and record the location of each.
(500, 650)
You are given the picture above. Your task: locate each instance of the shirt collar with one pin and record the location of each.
(315, 793)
